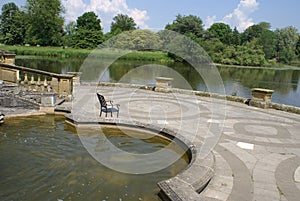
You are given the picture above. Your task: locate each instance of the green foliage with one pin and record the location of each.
(12, 26)
(221, 31)
(247, 55)
(298, 48)
(44, 22)
(136, 40)
(267, 41)
(122, 23)
(190, 25)
(286, 42)
(89, 21)
(82, 53)
(87, 39)
(236, 37)
(70, 30)
(88, 32)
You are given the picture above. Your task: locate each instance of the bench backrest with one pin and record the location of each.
(101, 100)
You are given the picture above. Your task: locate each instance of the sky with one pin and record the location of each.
(156, 14)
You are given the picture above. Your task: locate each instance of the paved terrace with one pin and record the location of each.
(256, 152)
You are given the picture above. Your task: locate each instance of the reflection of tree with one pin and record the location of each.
(49, 64)
(295, 79)
(120, 68)
(278, 80)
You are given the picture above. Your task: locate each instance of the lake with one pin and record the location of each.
(237, 80)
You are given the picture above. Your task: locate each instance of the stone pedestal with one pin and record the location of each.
(48, 101)
(164, 82)
(261, 97)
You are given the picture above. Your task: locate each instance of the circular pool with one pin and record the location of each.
(42, 158)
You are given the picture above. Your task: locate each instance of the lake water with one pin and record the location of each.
(42, 158)
(237, 80)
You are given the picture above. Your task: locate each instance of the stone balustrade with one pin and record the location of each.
(38, 81)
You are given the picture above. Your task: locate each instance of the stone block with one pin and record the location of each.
(164, 82)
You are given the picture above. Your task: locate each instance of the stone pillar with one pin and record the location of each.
(48, 101)
(261, 97)
(164, 82)
(76, 78)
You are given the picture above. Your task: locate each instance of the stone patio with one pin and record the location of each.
(256, 152)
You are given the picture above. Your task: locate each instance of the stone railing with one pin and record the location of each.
(34, 80)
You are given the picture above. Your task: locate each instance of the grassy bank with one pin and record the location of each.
(83, 53)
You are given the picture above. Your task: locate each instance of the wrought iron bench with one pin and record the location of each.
(107, 107)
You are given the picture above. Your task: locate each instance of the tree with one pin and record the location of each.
(12, 24)
(89, 21)
(88, 33)
(298, 48)
(221, 31)
(267, 41)
(45, 24)
(190, 25)
(255, 31)
(286, 42)
(236, 37)
(70, 30)
(122, 23)
(137, 40)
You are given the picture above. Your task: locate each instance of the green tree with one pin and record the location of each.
(12, 24)
(89, 21)
(137, 40)
(236, 37)
(298, 48)
(190, 25)
(286, 42)
(221, 31)
(45, 23)
(248, 54)
(267, 41)
(122, 23)
(70, 30)
(88, 33)
(255, 31)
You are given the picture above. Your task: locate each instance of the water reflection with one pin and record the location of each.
(237, 81)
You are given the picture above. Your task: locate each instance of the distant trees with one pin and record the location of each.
(41, 22)
(190, 25)
(44, 22)
(12, 26)
(88, 31)
(286, 44)
(221, 31)
(137, 40)
(122, 23)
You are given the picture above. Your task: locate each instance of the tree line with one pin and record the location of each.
(41, 23)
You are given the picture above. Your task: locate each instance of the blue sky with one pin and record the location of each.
(155, 14)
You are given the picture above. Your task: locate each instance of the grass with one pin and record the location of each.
(83, 53)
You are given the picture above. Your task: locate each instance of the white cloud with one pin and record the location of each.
(106, 10)
(210, 20)
(240, 17)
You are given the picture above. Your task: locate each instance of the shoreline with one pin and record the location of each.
(61, 52)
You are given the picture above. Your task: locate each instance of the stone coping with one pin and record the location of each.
(187, 184)
(263, 90)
